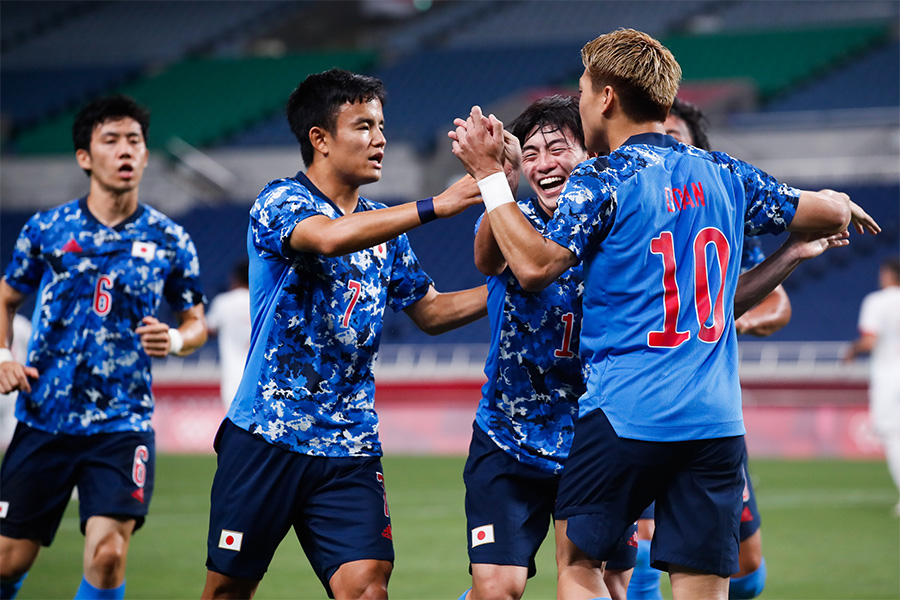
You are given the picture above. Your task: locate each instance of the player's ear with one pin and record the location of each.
(608, 98)
(318, 137)
(84, 159)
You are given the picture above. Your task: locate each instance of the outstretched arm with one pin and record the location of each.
(436, 312)
(757, 283)
(535, 261)
(361, 230)
(13, 375)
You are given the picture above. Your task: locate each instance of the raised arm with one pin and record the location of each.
(767, 317)
(361, 230)
(436, 312)
(535, 260)
(829, 211)
(13, 375)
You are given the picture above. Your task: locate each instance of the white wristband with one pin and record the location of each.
(495, 191)
(176, 342)
(6, 355)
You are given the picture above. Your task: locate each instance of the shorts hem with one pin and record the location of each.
(662, 564)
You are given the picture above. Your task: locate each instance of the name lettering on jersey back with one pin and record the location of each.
(691, 196)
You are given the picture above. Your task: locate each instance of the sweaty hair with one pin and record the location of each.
(892, 266)
(642, 71)
(318, 99)
(695, 121)
(550, 114)
(101, 110)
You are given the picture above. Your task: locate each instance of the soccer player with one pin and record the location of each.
(102, 264)
(299, 447)
(524, 422)
(654, 223)
(879, 335)
(229, 320)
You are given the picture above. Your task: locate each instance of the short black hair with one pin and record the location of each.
(695, 120)
(101, 110)
(319, 97)
(552, 113)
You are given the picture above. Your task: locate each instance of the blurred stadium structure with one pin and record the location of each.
(807, 90)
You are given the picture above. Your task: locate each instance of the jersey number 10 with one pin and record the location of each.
(670, 337)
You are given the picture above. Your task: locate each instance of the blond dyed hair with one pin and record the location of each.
(643, 72)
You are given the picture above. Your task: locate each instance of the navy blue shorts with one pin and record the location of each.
(750, 518)
(114, 473)
(608, 481)
(337, 507)
(509, 508)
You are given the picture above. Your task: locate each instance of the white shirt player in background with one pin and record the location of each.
(879, 335)
(229, 320)
(21, 335)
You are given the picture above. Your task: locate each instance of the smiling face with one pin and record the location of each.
(117, 156)
(548, 157)
(356, 149)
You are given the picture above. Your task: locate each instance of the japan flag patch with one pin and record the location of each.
(145, 250)
(483, 535)
(4, 509)
(231, 540)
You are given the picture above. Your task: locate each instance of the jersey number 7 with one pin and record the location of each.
(664, 245)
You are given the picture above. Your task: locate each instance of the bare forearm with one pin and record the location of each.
(194, 333)
(535, 261)
(760, 281)
(767, 317)
(488, 257)
(354, 232)
(438, 313)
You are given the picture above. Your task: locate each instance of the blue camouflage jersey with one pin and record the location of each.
(94, 285)
(308, 384)
(752, 254)
(533, 369)
(660, 226)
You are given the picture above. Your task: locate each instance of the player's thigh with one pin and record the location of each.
(497, 581)
(39, 471)
(698, 514)
(345, 516)
(508, 505)
(254, 499)
(606, 484)
(117, 477)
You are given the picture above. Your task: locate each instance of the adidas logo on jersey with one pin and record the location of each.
(71, 246)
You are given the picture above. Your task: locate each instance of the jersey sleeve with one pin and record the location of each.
(409, 282)
(25, 268)
(770, 205)
(182, 289)
(277, 210)
(586, 210)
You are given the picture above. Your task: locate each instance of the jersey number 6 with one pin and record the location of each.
(663, 245)
(102, 297)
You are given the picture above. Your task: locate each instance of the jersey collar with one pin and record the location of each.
(652, 139)
(82, 204)
(308, 184)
